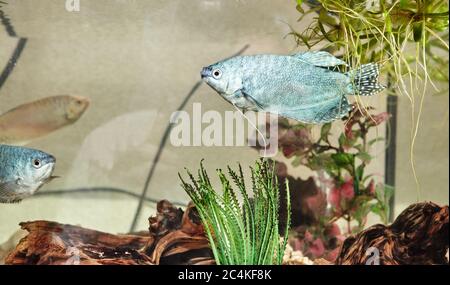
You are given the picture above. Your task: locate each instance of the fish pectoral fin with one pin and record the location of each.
(8, 201)
(319, 58)
(252, 100)
(7, 188)
(8, 194)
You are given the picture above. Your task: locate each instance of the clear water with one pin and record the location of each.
(137, 61)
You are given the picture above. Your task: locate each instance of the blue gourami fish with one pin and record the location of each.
(22, 172)
(307, 87)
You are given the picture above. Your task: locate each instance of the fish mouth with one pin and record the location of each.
(77, 107)
(206, 72)
(50, 159)
(84, 101)
(47, 173)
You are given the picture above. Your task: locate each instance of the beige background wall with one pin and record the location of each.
(136, 60)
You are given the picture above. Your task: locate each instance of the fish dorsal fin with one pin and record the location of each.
(319, 58)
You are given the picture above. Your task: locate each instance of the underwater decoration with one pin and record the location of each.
(307, 87)
(418, 236)
(244, 233)
(335, 201)
(175, 236)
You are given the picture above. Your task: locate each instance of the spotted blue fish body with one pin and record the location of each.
(22, 172)
(308, 87)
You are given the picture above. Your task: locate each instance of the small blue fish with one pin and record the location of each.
(22, 172)
(307, 87)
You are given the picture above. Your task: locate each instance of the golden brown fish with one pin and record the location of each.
(38, 118)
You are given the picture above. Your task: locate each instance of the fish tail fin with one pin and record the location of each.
(364, 80)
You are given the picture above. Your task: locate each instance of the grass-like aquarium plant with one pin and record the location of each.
(247, 232)
(408, 37)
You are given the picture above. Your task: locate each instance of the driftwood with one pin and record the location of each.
(180, 238)
(174, 237)
(53, 243)
(419, 235)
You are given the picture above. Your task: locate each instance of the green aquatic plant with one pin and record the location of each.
(410, 38)
(353, 192)
(244, 233)
(336, 201)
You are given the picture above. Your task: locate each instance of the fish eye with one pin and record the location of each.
(37, 163)
(217, 73)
